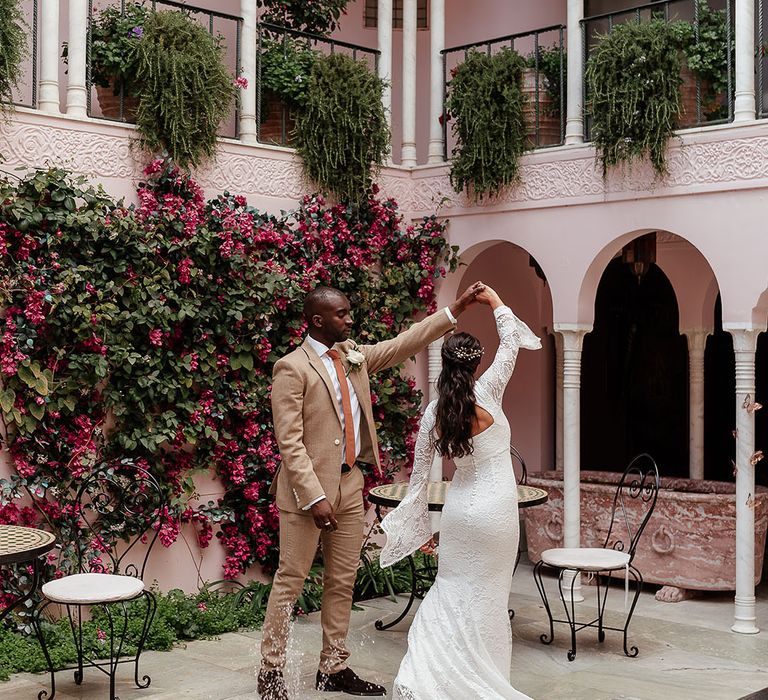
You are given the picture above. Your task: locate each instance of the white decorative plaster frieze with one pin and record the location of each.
(715, 159)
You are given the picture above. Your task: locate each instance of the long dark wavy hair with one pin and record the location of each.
(461, 355)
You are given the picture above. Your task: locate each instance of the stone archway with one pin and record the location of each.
(529, 402)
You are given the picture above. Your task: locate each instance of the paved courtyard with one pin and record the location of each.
(686, 652)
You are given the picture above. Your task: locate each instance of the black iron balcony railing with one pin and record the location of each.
(26, 93)
(713, 40)
(761, 59)
(543, 81)
(226, 26)
(274, 118)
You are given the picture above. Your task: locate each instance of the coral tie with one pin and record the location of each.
(346, 405)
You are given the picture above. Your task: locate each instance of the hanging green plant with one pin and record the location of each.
(13, 48)
(186, 89)
(633, 83)
(341, 133)
(285, 69)
(486, 104)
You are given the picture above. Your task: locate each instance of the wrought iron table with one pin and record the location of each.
(390, 495)
(24, 544)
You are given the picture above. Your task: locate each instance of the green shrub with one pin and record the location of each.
(486, 103)
(633, 79)
(186, 90)
(341, 133)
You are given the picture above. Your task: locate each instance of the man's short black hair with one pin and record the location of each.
(319, 297)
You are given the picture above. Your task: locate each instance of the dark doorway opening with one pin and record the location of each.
(634, 395)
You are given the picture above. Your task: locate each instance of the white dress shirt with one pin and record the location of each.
(322, 351)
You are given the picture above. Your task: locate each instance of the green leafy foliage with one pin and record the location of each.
(706, 53)
(186, 90)
(285, 70)
(486, 103)
(115, 37)
(316, 16)
(633, 79)
(341, 133)
(13, 49)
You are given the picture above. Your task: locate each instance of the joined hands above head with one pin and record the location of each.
(468, 298)
(489, 297)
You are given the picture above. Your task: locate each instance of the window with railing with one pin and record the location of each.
(284, 59)
(115, 100)
(707, 73)
(543, 82)
(371, 14)
(25, 95)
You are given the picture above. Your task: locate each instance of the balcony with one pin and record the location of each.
(557, 112)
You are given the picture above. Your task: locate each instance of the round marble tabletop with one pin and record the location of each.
(391, 494)
(19, 544)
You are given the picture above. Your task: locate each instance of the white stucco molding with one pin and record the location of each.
(703, 160)
(700, 160)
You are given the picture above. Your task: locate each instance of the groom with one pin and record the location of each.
(321, 406)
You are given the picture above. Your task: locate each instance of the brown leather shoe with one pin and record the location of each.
(271, 685)
(347, 681)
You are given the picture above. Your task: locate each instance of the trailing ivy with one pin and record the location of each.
(148, 334)
(486, 103)
(13, 48)
(341, 133)
(185, 89)
(633, 79)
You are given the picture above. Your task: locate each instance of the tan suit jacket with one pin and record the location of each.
(306, 415)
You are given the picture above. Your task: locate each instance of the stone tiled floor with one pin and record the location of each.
(687, 652)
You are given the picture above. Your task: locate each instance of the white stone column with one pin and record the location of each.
(437, 44)
(573, 337)
(558, 401)
(697, 343)
(385, 58)
(744, 96)
(574, 122)
(744, 345)
(248, 40)
(433, 372)
(48, 100)
(408, 151)
(77, 96)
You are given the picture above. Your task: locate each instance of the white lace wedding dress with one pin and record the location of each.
(460, 641)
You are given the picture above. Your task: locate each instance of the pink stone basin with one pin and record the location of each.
(689, 542)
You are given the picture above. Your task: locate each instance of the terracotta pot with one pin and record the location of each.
(549, 115)
(710, 101)
(109, 104)
(273, 109)
(689, 542)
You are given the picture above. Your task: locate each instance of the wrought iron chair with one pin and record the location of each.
(641, 485)
(110, 497)
(521, 472)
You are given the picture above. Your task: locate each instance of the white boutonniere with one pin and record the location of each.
(355, 359)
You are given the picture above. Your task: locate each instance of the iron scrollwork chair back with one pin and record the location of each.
(640, 483)
(517, 457)
(120, 506)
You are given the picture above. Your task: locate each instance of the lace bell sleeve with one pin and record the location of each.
(408, 526)
(513, 335)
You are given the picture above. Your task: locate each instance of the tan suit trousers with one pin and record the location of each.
(341, 558)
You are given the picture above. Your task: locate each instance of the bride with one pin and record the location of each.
(460, 641)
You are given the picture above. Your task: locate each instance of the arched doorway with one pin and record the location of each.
(634, 394)
(529, 402)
